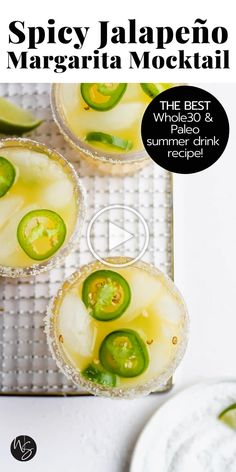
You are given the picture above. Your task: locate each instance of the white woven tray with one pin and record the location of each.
(26, 364)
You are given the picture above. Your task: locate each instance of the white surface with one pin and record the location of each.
(74, 434)
(181, 13)
(186, 430)
(83, 434)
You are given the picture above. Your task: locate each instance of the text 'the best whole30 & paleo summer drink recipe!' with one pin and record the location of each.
(41, 207)
(119, 332)
(103, 122)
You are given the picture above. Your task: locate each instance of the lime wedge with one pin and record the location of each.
(228, 416)
(14, 120)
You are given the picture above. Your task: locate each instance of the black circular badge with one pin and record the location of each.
(23, 448)
(185, 129)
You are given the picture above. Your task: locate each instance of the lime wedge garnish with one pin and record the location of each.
(228, 416)
(14, 120)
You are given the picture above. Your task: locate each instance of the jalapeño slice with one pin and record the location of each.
(102, 97)
(124, 353)
(7, 176)
(110, 139)
(99, 375)
(106, 294)
(41, 233)
(152, 90)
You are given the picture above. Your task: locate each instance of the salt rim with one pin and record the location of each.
(35, 269)
(135, 157)
(73, 374)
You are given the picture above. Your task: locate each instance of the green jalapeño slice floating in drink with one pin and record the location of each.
(102, 97)
(99, 375)
(105, 138)
(118, 332)
(106, 294)
(152, 90)
(7, 175)
(41, 233)
(124, 353)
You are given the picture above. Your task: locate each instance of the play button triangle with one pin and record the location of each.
(117, 236)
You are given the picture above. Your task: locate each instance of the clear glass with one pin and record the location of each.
(104, 162)
(72, 243)
(129, 389)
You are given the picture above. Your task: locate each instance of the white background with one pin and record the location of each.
(83, 434)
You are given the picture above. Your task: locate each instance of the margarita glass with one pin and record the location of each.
(41, 207)
(120, 332)
(103, 122)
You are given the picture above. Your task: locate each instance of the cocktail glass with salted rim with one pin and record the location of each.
(120, 332)
(41, 207)
(103, 122)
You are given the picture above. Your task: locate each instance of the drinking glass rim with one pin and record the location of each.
(95, 154)
(37, 268)
(64, 363)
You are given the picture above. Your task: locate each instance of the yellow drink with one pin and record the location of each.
(124, 120)
(156, 314)
(117, 147)
(43, 180)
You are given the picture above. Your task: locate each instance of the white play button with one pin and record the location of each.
(117, 231)
(117, 236)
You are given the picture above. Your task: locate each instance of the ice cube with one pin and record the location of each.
(161, 354)
(144, 289)
(169, 330)
(121, 117)
(168, 307)
(132, 93)
(8, 243)
(70, 95)
(8, 235)
(9, 205)
(33, 166)
(75, 325)
(58, 194)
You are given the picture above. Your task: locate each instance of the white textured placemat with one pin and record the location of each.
(26, 364)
